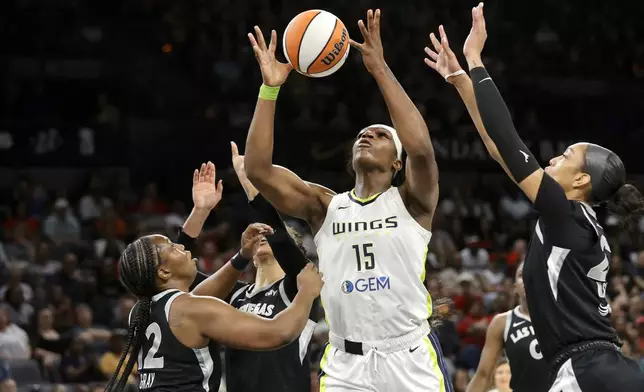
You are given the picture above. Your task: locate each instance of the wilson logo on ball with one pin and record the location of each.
(337, 49)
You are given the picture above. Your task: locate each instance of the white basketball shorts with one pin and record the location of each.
(418, 367)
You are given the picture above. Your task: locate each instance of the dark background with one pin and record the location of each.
(120, 100)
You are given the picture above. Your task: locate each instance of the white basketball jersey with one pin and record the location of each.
(372, 254)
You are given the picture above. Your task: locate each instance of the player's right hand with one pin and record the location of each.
(206, 191)
(251, 238)
(238, 166)
(309, 281)
(442, 59)
(274, 73)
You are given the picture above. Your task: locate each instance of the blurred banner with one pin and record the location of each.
(24, 146)
(147, 146)
(183, 146)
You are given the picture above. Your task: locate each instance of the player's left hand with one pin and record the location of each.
(205, 194)
(475, 41)
(442, 59)
(251, 238)
(372, 52)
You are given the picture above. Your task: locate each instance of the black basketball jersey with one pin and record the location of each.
(284, 370)
(566, 284)
(529, 370)
(165, 364)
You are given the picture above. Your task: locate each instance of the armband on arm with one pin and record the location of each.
(239, 262)
(498, 123)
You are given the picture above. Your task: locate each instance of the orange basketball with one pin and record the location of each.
(316, 43)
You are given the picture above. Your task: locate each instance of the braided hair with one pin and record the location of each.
(137, 269)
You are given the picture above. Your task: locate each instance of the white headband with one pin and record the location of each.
(394, 136)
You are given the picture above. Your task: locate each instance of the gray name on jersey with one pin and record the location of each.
(147, 379)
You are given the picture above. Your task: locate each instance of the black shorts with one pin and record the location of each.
(599, 370)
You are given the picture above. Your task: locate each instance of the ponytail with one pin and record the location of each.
(627, 204)
(137, 271)
(135, 333)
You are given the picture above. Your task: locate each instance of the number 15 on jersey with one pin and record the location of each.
(364, 256)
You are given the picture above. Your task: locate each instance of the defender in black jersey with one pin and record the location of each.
(568, 258)
(171, 330)
(278, 261)
(513, 332)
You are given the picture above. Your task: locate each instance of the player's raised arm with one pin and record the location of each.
(286, 251)
(443, 60)
(233, 328)
(421, 176)
(496, 118)
(282, 188)
(491, 351)
(206, 194)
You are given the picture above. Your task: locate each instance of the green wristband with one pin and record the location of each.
(269, 93)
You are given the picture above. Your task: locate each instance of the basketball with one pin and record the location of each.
(316, 43)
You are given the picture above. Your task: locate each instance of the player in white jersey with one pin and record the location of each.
(372, 241)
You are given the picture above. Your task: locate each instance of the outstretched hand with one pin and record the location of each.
(371, 50)
(238, 161)
(252, 237)
(274, 73)
(238, 166)
(205, 194)
(476, 39)
(442, 59)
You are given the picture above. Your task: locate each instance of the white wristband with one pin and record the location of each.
(459, 72)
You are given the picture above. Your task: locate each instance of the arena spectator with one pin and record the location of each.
(21, 311)
(61, 226)
(15, 281)
(92, 204)
(122, 313)
(30, 225)
(502, 375)
(108, 362)
(78, 365)
(14, 341)
(7, 384)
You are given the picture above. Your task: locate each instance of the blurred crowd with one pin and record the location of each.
(191, 60)
(64, 312)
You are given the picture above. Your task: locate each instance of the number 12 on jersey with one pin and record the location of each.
(364, 256)
(151, 360)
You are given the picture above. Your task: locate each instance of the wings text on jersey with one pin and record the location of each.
(376, 225)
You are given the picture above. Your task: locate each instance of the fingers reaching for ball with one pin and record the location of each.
(371, 49)
(274, 73)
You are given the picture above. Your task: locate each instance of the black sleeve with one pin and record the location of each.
(498, 124)
(190, 244)
(286, 252)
